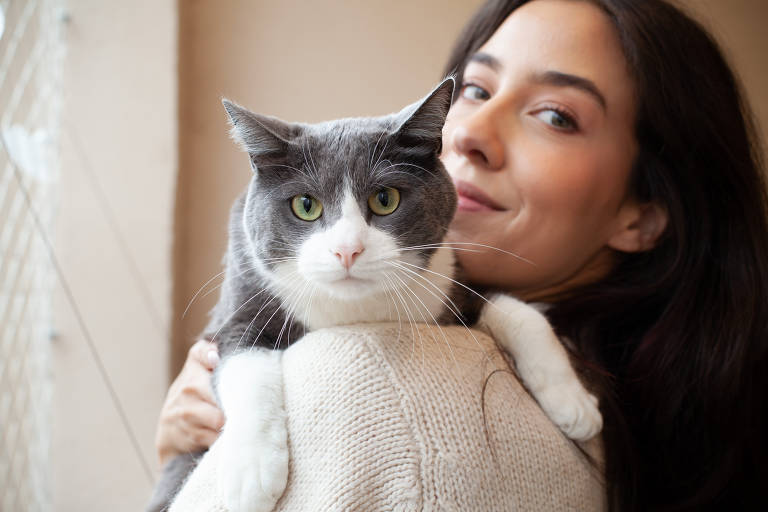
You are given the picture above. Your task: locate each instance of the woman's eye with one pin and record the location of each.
(385, 201)
(559, 120)
(474, 92)
(306, 207)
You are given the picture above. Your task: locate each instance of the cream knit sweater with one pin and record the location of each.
(386, 419)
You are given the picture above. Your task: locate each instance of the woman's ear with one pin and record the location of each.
(640, 226)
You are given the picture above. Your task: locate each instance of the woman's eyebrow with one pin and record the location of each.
(555, 78)
(487, 59)
(559, 79)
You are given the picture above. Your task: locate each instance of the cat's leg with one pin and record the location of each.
(253, 463)
(543, 365)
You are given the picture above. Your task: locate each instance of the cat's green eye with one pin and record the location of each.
(385, 201)
(306, 207)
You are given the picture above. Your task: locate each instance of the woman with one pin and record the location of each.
(607, 141)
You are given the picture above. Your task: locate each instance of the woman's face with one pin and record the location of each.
(540, 145)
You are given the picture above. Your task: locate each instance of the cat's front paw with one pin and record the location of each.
(252, 474)
(573, 409)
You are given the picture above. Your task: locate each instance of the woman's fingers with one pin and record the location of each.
(205, 353)
(190, 419)
(203, 415)
(198, 438)
(195, 385)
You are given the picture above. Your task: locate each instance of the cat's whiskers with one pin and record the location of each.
(422, 248)
(403, 235)
(313, 167)
(278, 244)
(307, 303)
(375, 170)
(246, 332)
(381, 173)
(450, 245)
(386, 287)
(406, 310)
(243, 254)
(289, 311)
(389, 307)
(186, 310)
(231, 315)
(434, 320)
(453, 308)
(411, 295)
(385, 179)
(491, 304)
(372, 166)
(431, 173)
(198, 292)
(279, 259)
(312, 170)
(295, 169)
(383, 284)
(277, 309)
(265, 166)
(307, 312)
(308, 174)
(242, 273)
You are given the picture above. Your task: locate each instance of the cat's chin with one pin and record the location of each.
(350, 288)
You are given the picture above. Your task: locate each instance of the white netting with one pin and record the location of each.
(30, 64)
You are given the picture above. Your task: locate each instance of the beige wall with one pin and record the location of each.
(739, 25)
(120, 111)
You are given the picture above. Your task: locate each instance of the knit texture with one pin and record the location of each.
(383, 418)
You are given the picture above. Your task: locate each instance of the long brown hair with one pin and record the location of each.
(680, 331)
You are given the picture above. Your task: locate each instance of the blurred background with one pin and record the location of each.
(116, 178)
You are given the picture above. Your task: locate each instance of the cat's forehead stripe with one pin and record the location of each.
(349, 206)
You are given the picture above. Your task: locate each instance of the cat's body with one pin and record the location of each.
(344, 222)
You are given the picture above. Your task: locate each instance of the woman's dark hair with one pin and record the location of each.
(680, 332)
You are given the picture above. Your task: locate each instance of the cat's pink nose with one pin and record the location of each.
(348, 254)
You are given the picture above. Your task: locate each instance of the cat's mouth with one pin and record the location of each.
(349, 287)
(349, 278)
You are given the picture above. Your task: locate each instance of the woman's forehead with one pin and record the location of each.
(566, 37)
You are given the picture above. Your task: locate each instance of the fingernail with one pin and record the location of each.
(213, 358)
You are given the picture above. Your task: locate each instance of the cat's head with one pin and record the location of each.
(338, 204)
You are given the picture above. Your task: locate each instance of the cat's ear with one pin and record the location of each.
(257, 134)
(424, 125)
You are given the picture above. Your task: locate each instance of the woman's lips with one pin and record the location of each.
(472, 199)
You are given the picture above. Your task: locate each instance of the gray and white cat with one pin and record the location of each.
(343, 222)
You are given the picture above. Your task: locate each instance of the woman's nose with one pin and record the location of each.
(475, 136)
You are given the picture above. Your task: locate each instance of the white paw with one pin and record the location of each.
(573, 409)
(253, 473)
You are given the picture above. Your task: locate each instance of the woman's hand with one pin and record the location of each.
(190, 419)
